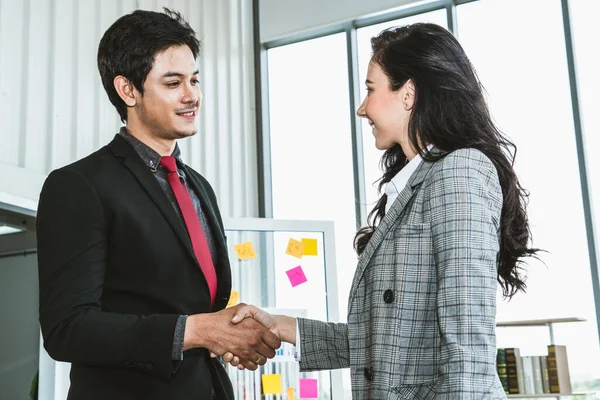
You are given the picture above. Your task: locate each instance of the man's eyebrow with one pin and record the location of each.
(178, 74)
(368, 81)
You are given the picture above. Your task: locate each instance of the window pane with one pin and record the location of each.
(370, 153)
(311, 146)
(525, 73)
(584, 21)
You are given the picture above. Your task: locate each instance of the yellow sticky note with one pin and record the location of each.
(295, 248)
(234, 299)
(245, 251)
(272, 384)
(310, 247)
(290, 393)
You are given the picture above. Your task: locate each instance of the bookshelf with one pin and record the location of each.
(549, 322)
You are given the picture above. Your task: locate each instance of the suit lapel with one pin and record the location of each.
(395, 211)
(144, 176)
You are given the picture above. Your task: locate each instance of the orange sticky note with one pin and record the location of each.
(310, 247)
(295, 248)
(290, 393)
(234, 298)
(245, 251)
(272, 384)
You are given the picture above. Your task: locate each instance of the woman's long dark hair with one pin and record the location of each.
(450, 112)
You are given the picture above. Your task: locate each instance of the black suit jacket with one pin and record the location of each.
(116, 269)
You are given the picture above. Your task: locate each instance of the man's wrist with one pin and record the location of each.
(193, 336)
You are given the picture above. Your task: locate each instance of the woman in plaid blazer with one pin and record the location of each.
(450, 225)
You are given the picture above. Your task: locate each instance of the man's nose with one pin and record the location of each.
(191, 94)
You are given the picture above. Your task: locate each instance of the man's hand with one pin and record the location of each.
(250, 341)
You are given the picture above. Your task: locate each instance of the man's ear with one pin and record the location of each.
(126, 90)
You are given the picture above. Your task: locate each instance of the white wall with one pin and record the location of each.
(281, 18)
(19, 328)
(54, 110)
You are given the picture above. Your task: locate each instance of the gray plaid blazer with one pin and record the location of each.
(422, 307)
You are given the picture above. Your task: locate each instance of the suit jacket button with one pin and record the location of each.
(388, 296)
(368, 374)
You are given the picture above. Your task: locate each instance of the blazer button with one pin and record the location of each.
(388, 296)
(368, 374)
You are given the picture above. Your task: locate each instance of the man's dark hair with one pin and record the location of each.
(129, 46)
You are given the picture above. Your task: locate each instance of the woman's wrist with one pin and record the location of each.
(287, 328)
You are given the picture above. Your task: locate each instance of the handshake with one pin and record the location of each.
(245, 336)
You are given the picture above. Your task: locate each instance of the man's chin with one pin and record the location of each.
(185, 133)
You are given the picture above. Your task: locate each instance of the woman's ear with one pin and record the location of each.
(126, 90)
(408, 95)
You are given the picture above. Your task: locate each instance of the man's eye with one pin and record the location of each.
(195, 81)
(172, 84)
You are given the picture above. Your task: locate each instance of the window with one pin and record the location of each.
(311, 147)
(584, 16)
(525, 73)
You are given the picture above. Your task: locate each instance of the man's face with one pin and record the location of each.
(172, 97)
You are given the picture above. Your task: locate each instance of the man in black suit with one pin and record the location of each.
(133, 266)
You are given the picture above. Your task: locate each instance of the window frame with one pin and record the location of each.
(350, 29)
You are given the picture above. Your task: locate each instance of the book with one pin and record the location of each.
(501, 368)
(537, 374)
(513, 365)
(544, 365)
(558, 369)
(520, 377)
(528, 385)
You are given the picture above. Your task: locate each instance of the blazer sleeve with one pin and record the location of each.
(465, 203)
(72, 236)
(324, 345)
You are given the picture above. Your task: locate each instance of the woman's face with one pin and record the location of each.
(387, 111)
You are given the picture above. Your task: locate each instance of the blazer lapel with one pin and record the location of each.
(395, 211)
(134, 163)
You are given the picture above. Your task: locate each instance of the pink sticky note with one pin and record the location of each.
(296, 276)
(308, 389)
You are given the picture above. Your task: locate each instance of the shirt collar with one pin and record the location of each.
(398, 182)
(150, 157)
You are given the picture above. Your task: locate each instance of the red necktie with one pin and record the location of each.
(192, 222)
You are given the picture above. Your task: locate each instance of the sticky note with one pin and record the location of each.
(296, 276)
(308, 389)
(290, 393)
(295, 248)
(234, 298)
(245, 251)
(310, 247)
(272, 384)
